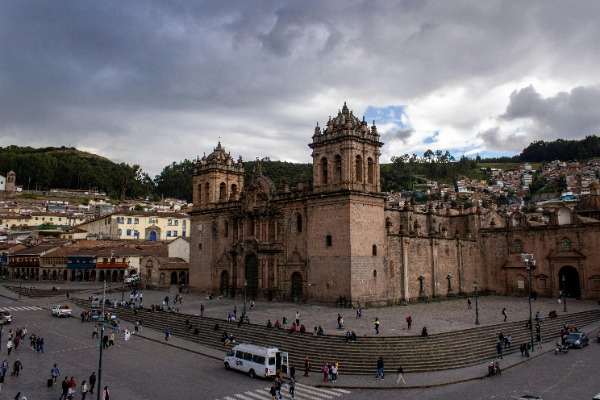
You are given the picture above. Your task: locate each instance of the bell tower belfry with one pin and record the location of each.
(346, 155)
(217, 179)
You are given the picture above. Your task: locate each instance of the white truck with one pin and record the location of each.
(257, 361)
(62, 311)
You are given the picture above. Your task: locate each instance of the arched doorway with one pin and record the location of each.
(251, 274)
(115, 276)
(568, 281)
(296, 287)
(173, 278)
(153, 236)
(224, 284)
(101, 275)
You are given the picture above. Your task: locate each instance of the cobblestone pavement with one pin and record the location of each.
(439, 316)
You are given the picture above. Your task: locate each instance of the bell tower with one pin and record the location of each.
(346, 155)
(217, 179)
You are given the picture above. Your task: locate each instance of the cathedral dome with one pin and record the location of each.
(590, 203)
(218, 155)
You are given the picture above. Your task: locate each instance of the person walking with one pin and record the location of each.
(105, 394)
(333, 370)
(105, 340)
(505, 314)
(92, 380)
(111, 339)
(400, 376)
(4, 367)
(499, 349)
(538, 339)
(297, 318)
(17, 366)
(9, 345)
(65, 388)
(469, 304)
(202, 310)
(292, 371)
(167, 334)
(292, 386)
(306, 367)
(95, 331)
(54, 372)
(408, 323)
(376, 326)
(84, 390)
(380, 370)
(273, 391)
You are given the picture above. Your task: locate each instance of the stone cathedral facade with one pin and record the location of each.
(342, 240)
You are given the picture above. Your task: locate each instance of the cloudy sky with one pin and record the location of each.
(153, 82)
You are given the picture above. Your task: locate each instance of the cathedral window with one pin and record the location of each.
(374, 249)
(324, 171)
(328, 241)
(206, 192)
(359, 169)
(299, 223)
(370, 170)
(566, 244)
(226, 229)
(222, 192)
(518, 247)
(338, 168)
(233, 195)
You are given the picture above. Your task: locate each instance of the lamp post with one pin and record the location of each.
(20, 283)
(528, 258)
(244, 309)
(101, 336)
(564, 281)
(476, 303)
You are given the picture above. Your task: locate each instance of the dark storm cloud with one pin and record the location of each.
(169, 79)
(399, 134)
(565, 115)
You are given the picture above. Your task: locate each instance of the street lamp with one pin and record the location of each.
(476, 303)
(101, 336)
(530, 263)
(244, 309)
(20, 283)
(564, 281)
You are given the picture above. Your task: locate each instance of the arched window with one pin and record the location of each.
(226, 229)
(338, 168)
(359, 169)
(566, 244)
(206, 193)
(324, 171)
(298, 222)
(370, 170)
(518, 246)
(222, 192)
(233, 195)
(199, 194)
(374, 249)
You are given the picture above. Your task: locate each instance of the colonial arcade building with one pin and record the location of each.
(341, 240)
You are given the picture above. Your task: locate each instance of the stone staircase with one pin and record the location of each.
(454, 349)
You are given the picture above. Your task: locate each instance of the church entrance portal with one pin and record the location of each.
(296, 287)
(568, 280)
(225, 284)
(251, 275)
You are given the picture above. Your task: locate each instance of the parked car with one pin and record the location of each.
(132, 279)
(62, 311)
(7, 317)
(3, 319)
(577, 339)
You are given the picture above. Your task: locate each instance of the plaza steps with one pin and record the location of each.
(448, 350)
(41, 293)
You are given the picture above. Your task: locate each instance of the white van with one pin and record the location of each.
(257, 360)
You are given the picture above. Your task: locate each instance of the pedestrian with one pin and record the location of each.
(54, 372)
(17, 366)
(527, 348)
(71, 394)
(84, 390)
(505, 314)
(501, 338)
(65, 388)
(105, 340)
(202, 310)
(167, 333)
(273, 391)
(72, 383)
(292, 386)
(400, 376)
(105, 394)
(127, 334)
(380, 370)
(408, 322)
(67, 295)
(508, 341)
(95, 331)
(306, 367)
(325, 370)
(17, 341)
(499, 349)
(333, 371)
(469, 304)
(358, 312)
(136, 327)
(111, 339)
(18, 396)
(251, 304)
(538, 339)
(376, 326)
(4, 367)
(424, 332)
(92, 380)
(297, 318)
(292, 371)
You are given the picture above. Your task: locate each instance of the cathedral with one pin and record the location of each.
(343, 241)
